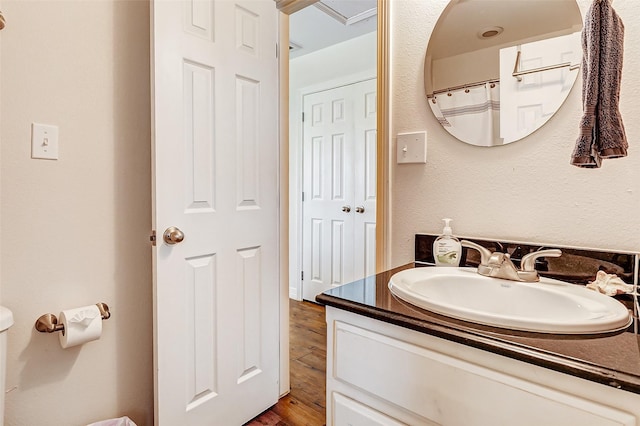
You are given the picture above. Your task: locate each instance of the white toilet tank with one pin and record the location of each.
(6, 321)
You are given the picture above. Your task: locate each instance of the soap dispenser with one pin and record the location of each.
(446, 248)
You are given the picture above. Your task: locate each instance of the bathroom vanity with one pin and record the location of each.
(391, 363)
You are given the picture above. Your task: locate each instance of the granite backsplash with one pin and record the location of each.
(578, 266)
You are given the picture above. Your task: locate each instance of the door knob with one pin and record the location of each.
(360, 209)
(346, 209)
(172, 235)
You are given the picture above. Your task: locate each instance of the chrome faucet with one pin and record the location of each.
(500, 265)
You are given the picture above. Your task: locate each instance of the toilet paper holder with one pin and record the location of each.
(48, 323)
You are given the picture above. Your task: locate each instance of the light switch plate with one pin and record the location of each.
(44, 141)
(411, 148)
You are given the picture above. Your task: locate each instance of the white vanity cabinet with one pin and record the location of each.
(382, 374)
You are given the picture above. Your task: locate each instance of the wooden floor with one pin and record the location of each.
(305, 404)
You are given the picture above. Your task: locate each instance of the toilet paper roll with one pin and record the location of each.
(81, 325)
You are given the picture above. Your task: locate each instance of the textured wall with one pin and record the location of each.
(525, 191)
(75, 231)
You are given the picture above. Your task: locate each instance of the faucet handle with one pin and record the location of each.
(485, 254)
(529, 260)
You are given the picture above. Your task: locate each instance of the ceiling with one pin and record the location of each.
(329, 22)
(458, 27)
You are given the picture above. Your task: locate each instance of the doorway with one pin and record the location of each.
(339, 186)
(314, 68)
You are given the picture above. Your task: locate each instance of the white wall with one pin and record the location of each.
(347, 62)
(465, 68)
(525, 191)
(75, 231)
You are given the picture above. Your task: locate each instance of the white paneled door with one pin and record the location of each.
(339, 184)
(215, 93)
(527, 103)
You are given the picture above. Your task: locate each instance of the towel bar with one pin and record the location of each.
(519, 73)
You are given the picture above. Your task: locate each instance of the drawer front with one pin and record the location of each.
(450, 391)
(348, 412)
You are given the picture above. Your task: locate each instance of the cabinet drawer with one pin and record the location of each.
(447, 390)
(347, 411)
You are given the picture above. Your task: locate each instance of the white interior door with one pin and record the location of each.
(339, 184)
(528, 103)
(216, 324)
(364, 169)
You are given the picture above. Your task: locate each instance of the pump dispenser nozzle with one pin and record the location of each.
(447, 226)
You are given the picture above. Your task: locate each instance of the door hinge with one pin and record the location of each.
(152, 237)
(302, 275)
(277, 51)
(303, 196)
(303, 116)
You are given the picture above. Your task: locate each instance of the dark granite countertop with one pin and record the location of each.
(611, 359)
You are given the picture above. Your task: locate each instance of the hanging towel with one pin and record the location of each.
(602, 132)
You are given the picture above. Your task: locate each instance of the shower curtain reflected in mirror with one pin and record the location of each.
(471, 114)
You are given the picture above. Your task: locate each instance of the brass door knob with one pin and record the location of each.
(172, 235)
(360, 209)
(346, 209)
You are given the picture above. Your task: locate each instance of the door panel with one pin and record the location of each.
(327, 142)
(201, 344)
(339, 168)
(365, 179)
(215, 177)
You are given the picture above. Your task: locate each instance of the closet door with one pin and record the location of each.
(328, 186)
(364, 169)
(339, 186)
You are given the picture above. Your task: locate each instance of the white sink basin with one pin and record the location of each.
(548, 306)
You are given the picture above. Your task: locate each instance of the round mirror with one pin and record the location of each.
(496, 71)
